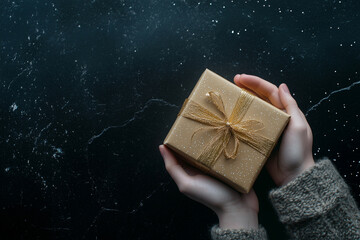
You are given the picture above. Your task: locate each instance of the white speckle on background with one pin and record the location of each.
(13, 107)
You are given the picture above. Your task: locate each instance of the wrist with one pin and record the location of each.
(308, 163)
(238, 218)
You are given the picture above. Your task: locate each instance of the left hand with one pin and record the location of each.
(234, 210)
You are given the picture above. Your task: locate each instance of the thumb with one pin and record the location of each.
(289, 103)
(287, 100)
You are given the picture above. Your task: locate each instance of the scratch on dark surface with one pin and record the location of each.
(29, 69)
(56, 229)
(136, 115)
(40, 133)
(93, 222)
(141, 203)
(348, 88)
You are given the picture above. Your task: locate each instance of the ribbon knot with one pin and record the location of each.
(227, 128)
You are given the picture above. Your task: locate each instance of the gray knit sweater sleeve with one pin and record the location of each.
(238, 234)
(317, 204)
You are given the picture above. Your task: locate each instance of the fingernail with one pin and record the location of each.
(161, 150)
(285, 88)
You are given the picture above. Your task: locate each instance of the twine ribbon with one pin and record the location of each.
(227, 127)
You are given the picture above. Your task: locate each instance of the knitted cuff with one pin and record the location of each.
(312, 193)
(238, 234)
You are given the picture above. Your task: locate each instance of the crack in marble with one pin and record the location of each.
(125, 123)
(43, 181)
(65, 105)
(93, 222)
(29, 69)
(37, 138)
(56, 229)
(141, 203)
(102, 210)
(134, 117)
(348, 88)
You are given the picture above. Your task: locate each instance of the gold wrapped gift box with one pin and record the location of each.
(226, 131)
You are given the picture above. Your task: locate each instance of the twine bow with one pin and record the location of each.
(227, 127)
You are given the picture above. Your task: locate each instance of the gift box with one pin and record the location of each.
(226, 131)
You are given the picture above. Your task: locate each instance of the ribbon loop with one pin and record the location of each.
(217, 101)
(227, 128)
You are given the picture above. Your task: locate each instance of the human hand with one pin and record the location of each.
(295, 151)
(234, 210)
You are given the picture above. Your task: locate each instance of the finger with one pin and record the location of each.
(290, 105)
(261, 87)
(249, 90)
(190, 170)
(237, 82)
(173, 166)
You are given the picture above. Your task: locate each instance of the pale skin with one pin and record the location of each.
(237, 210)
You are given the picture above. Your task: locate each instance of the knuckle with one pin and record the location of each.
(300, 128)
(183, 187)
(168, 168)
(293, 102)
(310, 132)
(273, 94)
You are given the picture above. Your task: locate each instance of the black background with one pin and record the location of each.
(89, 89)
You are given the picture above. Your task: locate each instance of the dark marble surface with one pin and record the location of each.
(89, 89)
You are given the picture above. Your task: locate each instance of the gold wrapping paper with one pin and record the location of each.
(242, 171)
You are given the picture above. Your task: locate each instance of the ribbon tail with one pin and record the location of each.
(235, 150)
(214, 148)
(256, 141)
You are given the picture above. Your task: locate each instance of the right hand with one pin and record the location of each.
(294, 155)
